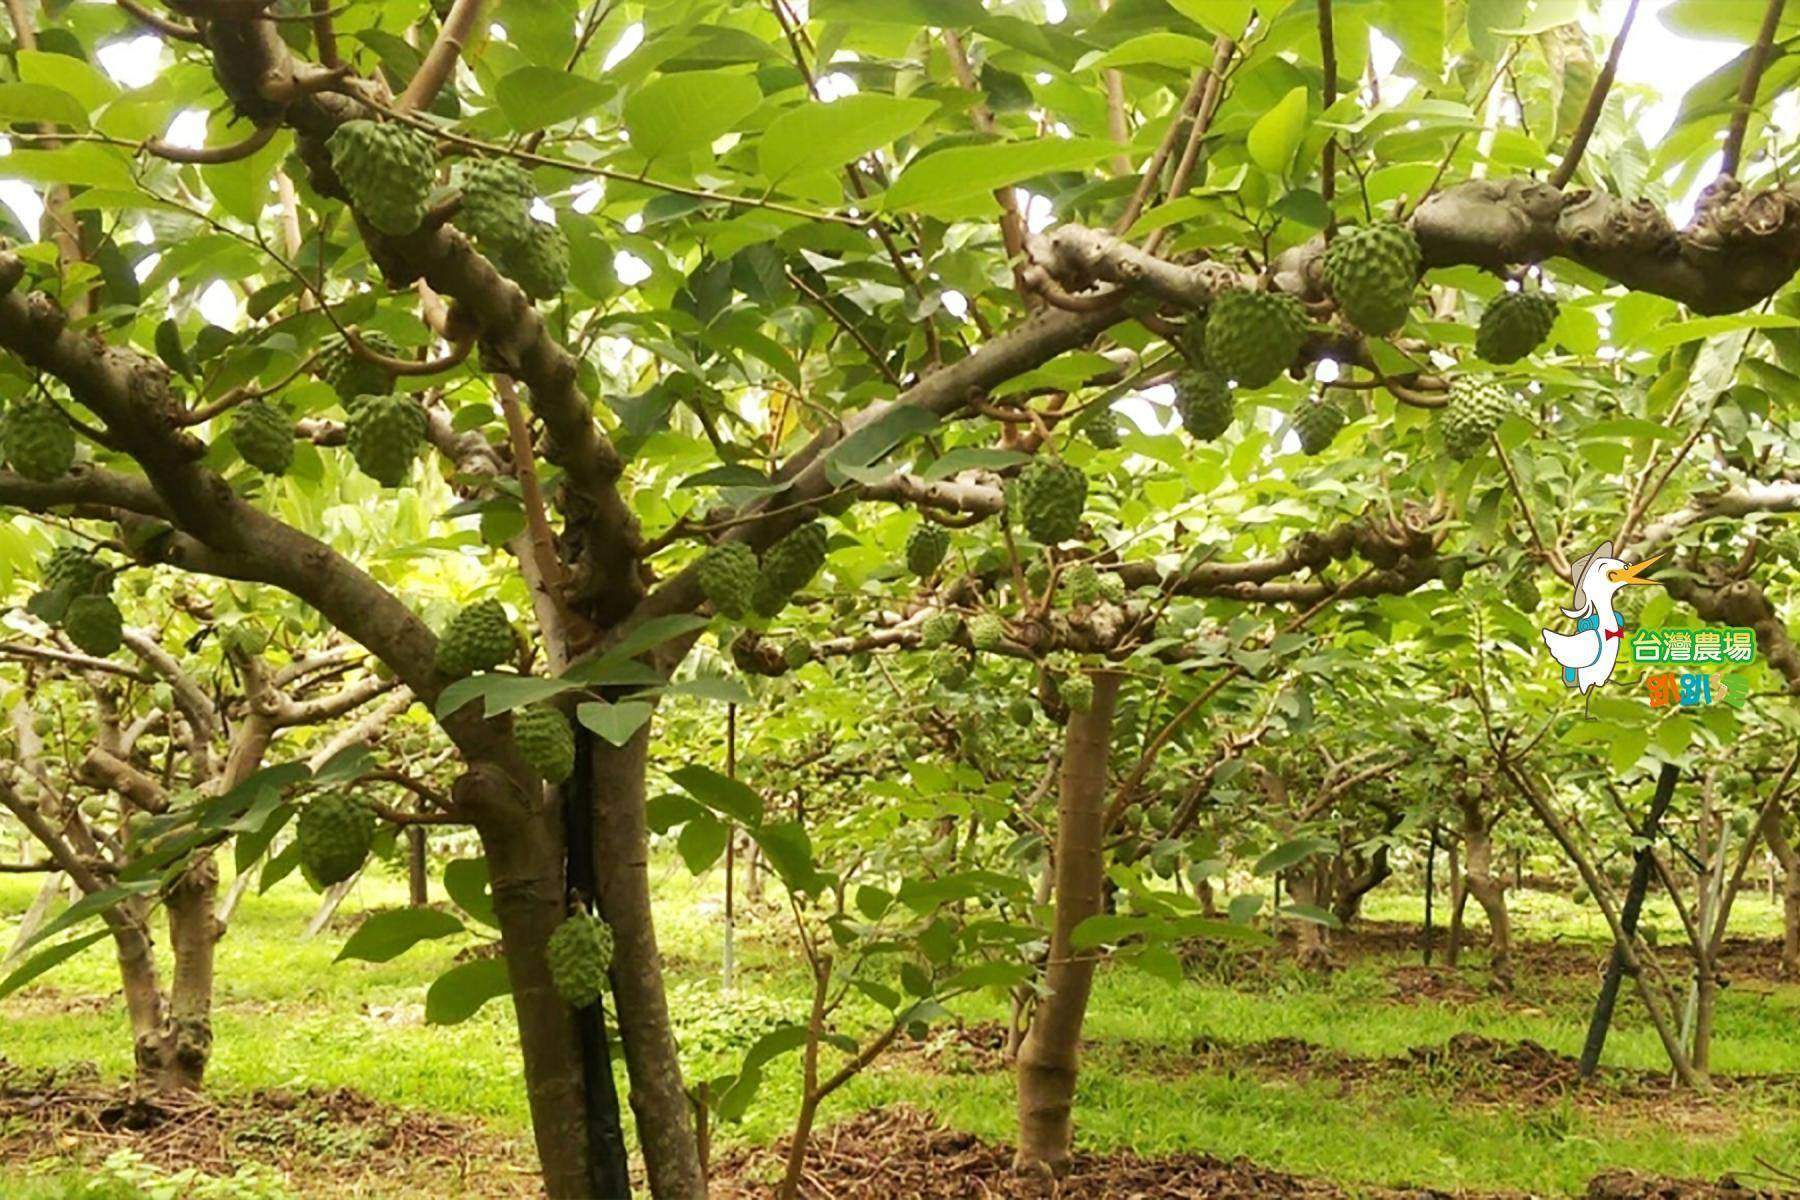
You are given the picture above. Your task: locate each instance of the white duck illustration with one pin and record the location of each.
(1589, 654)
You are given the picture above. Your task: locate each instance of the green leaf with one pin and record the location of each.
(616, 723)
(816, 136)
(945, 182)
(969, 458)
(35, 102)
(388, 935)
(1310, 912)
(459, 993)
(466, 880)
(1226, 18)
(899, 424)
(46, 959)
(720, 689)
(789, 850)
(88, 85)
(1487, 18)
(91, 905)
(84, 164)
(1292, 853)
(502, 692)
(989, 974)
(1176, 50)
(702, 841)
(1159, 962)
(1104, 928)
(1277, 133)
(534, 97)
(639, 638)
(730, 797)
(676, 113)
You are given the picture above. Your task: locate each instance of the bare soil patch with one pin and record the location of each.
(901, 1153)
(327, 1141)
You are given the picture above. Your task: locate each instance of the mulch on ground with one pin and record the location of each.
(326, 1140)
(1469, 1068)
(901, 1153)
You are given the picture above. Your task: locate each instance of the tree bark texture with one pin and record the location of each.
(1050, 1055)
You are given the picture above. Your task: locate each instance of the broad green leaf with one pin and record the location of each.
(615, 723)
(37, 102)
(90, 905)
(702, 841)
(459, 993)
(1175, 50)
(46, 959)
(86, 83)
(466, 881)
(388, 935)
(1292, 853)
(535, 97)
(1104, 928)
(943, 183)
(731, 797)
(1277, 133)
(673, 114)
(1224, 18)
(816, 135)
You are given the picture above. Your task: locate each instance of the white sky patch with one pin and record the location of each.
(134, 63)
(219, 305)
(954, 302)
(630, 40)
(586, 197)
(1039, 213)
(146, 265)
(25, 203)
(542, 211)
(1664, 61)
(1326, 370)
(634, 223)
(1385, 54)
(1055, 12)
(835, 86)
(1140, 408)
(630, 269)
(187, 129)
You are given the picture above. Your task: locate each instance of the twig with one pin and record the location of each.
(1590, 115)
(440, 61)
(1223, 49)
(324, 34)
(1456, 142)
(1190, 104)
(875, 358)
(1328, 157)
(1512, 479)
(160, 23)
(1754, 66)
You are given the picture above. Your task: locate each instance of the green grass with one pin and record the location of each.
(288, 1016)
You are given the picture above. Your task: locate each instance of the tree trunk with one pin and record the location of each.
(1459, 902)
(418, 878)
(1489, 891)
(143, 990)
(1307, 885)
(1789, 858)
(665, 1119)
(1049, 1057)
(187, 1032)
(524, 846)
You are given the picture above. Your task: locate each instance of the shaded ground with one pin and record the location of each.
(901, 1153)
(323, 1139)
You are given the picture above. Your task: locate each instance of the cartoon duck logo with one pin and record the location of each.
(1589, 654)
